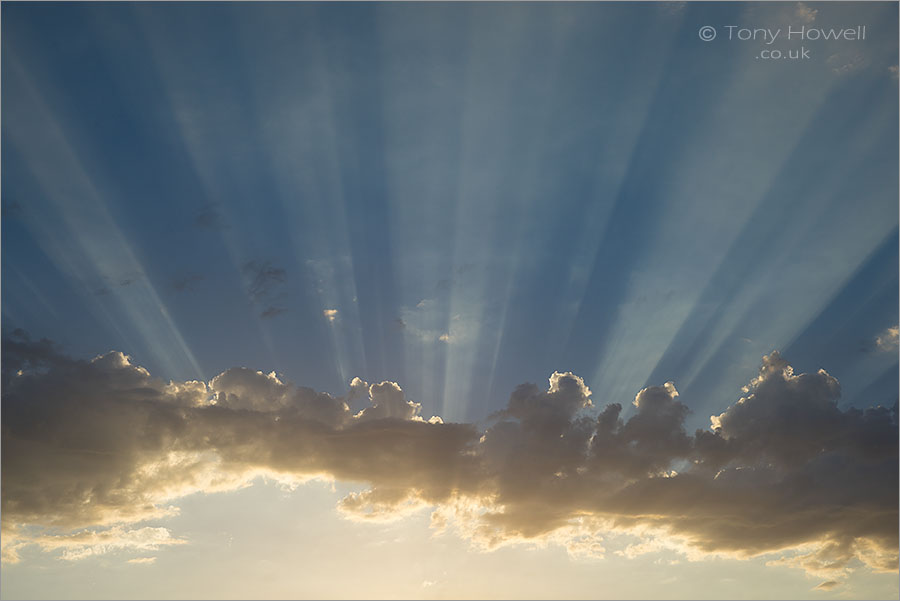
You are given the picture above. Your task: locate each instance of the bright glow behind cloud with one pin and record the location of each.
(101, 445)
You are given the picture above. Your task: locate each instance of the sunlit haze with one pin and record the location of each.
(449, 300)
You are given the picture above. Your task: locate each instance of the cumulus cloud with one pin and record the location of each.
(889, 339)
(805, 13)
(330, 314)
(93, 448)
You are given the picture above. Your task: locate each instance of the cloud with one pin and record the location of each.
(846, 61)
(805, 13)
(10, 209)
(87, 543)
(208, 217)
(143, 560)
(264, 282)
(827, 585)
(894, 70)
(330, 314)
(187, 282)
(431, 321)
(888, 340)
(99, 446)
(263, 279)
(673, 8)
(104, 285)
(272, 312)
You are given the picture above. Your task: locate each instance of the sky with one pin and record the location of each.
(449, 300)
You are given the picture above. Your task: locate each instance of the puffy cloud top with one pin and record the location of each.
(783, 471)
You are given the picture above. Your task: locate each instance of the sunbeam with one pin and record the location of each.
(426, 300)
(95, 250)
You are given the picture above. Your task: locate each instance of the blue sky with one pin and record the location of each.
(456, 197)
(668, 210)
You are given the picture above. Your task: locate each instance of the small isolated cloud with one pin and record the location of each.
(143, 560)
(846, 61)
(805, 13)
(828, 585)
(263, 279)
(272, 312)
(430, 321)
(10, 209)
(782, 473)
(264, 282)
(673, 8)
(208, 217)
(889, 339)
(893, 70)
(107, 283)
(330, 314)
(187, 282)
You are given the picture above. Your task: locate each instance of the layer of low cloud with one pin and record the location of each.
(94, 448)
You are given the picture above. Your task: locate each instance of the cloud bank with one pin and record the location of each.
(95, 448)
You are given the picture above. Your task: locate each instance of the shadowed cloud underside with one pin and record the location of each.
(91, 449)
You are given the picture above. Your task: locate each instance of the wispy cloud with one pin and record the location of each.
(263, 278)
(428, 322)
(815, 487)
(845, 61)
(87, 543)
(264, 283)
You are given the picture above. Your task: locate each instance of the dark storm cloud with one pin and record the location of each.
(783, 471)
